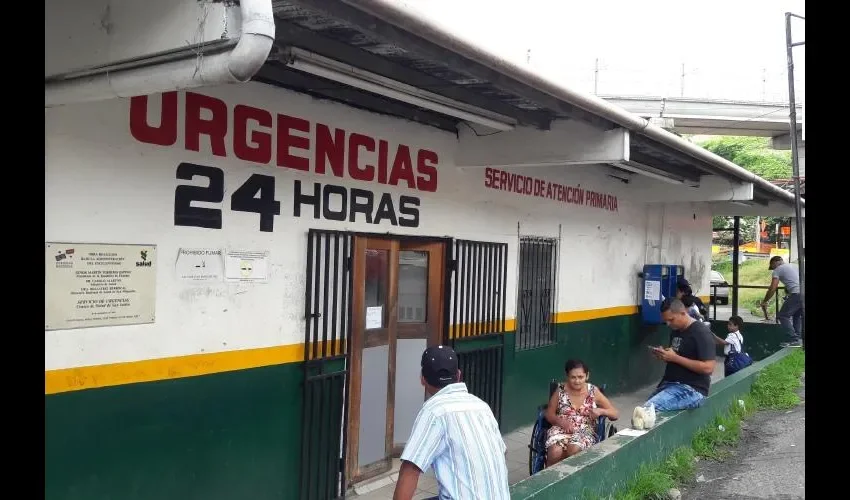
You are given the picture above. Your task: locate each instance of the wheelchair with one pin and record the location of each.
(537, 447)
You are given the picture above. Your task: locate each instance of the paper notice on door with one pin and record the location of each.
(374, 317)
(652, 290)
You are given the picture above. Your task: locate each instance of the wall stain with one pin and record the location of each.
(106, 20)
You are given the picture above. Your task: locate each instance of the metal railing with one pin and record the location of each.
(732, 296)
(327, 349)
(479, 288)
(481, 370)
(479, 276)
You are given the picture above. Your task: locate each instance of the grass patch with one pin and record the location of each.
(651, 482)
(775, 388)
(680, 465)
(713, 440)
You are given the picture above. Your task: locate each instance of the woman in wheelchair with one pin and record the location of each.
(573, 411)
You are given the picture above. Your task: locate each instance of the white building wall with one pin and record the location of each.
(103, 185)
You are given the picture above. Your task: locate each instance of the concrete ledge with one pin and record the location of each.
(609, 465)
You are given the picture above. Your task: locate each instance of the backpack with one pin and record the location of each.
(736, 360)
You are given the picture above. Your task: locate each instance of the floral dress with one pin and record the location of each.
(584, 435)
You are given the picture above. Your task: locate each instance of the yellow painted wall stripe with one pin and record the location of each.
(573, 316)
(150, 370)
(510, 325)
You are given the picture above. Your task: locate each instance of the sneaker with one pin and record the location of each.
(795, 343)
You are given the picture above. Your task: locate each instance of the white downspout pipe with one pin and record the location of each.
(233, 66)
(406, 17)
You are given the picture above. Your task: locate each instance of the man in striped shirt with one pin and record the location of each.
(456, 434)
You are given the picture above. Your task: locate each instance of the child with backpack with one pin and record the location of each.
(733, 347)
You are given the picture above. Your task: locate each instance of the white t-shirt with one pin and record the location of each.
(735, 340)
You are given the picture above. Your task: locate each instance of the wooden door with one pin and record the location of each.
(419, 325)
(373, 358)
(397, 301)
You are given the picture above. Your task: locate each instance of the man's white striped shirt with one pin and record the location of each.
(457, 434)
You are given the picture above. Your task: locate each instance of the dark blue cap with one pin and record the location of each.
(439, 365)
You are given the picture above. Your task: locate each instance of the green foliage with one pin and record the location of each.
(776, 386)
(650, 483)
(753, 154)
(756, 155)
(720, 221)
(680, 465)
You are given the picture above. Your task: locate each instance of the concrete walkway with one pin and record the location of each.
(768, 463)
(725, 312)
(517, 443)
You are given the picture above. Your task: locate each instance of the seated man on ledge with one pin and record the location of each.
(690, 360)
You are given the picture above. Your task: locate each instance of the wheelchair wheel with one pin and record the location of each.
(536, 453)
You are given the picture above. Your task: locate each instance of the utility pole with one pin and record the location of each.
(795, 162)
(682, 89)
(736, 260)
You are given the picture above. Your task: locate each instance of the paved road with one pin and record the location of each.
(769, 462)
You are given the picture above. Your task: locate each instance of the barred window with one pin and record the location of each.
(538, 263)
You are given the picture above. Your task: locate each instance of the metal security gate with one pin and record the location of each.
(327, 349)
(538, 266)
(477, 316)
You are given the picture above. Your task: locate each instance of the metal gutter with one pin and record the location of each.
(219, 63)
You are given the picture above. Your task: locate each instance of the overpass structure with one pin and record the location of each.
(685, 115)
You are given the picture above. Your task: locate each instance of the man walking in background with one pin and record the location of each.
(790, 315)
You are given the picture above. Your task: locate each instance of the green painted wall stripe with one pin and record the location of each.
(237, 433)
(226, 436)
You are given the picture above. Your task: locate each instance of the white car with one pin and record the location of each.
(719, 288)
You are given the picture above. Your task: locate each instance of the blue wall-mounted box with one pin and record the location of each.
(656, 287)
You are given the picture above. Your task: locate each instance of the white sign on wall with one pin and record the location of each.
(90, 285)
(652, 290)
(199, 265)
(246, 265)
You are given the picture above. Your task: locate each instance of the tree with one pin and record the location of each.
(756, 155)
(753, 154)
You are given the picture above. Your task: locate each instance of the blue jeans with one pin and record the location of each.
(674, 396)
(791, 316)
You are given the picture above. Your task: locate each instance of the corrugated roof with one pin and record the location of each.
(400, 46)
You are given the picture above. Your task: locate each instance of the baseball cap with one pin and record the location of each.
(439, 365)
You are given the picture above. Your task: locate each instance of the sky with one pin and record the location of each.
(731, 49)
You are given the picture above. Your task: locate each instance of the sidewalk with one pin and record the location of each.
(517, 443)
(769, 462)
(725, 312)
